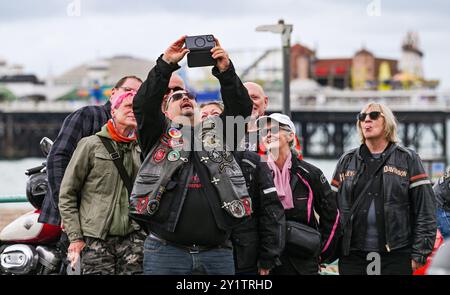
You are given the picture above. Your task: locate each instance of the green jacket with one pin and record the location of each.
(93, 200)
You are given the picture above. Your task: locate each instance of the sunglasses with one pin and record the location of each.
(179, 95)
(372, 115)
(174, 89)
(273, 130)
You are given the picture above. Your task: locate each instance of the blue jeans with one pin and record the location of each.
(443, 222)
(164, 259)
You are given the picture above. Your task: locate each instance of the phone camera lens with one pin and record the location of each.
(200, 42)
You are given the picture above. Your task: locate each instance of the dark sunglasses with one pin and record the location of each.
(273, 130)
(174, 89)
(372, 116)
(179, 95)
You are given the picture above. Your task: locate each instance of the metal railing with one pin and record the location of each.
(13, 199)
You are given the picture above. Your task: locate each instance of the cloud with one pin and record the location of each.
(40, 34)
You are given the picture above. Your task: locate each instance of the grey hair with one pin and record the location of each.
(216, 103)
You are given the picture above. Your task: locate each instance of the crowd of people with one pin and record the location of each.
(154, 183)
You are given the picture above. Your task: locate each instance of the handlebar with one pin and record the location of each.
(34, 170)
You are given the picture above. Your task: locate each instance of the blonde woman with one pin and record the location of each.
(386, 200)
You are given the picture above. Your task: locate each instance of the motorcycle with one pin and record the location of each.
(26, 245)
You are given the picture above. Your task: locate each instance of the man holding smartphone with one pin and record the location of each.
(192, 195)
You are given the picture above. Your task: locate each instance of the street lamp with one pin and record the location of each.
(285, 31)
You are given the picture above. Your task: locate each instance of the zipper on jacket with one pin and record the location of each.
(107, 224)
(185, 190)
(388, 248)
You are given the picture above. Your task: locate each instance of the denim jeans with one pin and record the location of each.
(164, 259)
(443, 222)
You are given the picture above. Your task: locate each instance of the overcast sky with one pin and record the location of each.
(51, 36)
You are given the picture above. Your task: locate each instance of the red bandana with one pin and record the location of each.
(116, 136)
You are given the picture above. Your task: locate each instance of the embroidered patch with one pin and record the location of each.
(220, 156)
(346, 174)
(165, 140)
(159, 155)
(142, 204)
(235, 208)
(210, 141)
(152, 206)
(247, 206)
(395, 170)
(176, 143)
(173, 156)
(175, 133)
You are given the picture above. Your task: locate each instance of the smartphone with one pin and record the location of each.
(200, 50)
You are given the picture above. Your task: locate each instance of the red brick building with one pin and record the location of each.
(362, 71)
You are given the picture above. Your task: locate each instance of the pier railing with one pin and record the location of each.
(13, 199)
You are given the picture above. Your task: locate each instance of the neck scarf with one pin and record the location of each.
(282, 180)
(116, 136)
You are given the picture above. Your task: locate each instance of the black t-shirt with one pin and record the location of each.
(368, 222)
(196, 224)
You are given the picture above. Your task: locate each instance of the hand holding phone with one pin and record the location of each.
(200, 50)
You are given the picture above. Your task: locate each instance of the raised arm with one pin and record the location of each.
(147, 102)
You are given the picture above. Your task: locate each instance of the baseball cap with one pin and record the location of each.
(280, 118)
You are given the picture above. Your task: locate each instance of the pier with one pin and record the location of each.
(325, 125)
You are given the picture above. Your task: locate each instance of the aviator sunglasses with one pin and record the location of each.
(372, 115)
(179, 95)
(174, 89)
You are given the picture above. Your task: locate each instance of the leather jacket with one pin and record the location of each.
(442, 191)
(409, 203)
(153, 125)
(259, 241)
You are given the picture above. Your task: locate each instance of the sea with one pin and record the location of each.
(13, 178)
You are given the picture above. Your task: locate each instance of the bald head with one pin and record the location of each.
(175, 83)
(252, 86)
(258, 97)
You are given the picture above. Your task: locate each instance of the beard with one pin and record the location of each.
(187, 112)
(254, 115)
